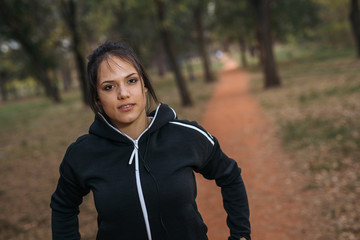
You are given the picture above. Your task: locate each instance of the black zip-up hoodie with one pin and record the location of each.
(145, 188)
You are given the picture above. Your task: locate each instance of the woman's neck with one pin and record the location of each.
(134, 130)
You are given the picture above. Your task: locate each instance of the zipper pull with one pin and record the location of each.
(133, 152)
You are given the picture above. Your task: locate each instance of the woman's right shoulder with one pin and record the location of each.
(80, 141)
(80, 152)
(82, 145)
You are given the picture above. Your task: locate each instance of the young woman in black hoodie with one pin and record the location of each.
(140, 165)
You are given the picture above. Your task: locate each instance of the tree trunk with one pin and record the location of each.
(198, 20)
(355, 23)
(260, 49)
(262, 15)
(69, 13)
(160, 63)
(40, 60)
(65, 74)
(41, 71)
(243, 58)
(190, 69)
(3, 90)
(166, 38)
(51, 90)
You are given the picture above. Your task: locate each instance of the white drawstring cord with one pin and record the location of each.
(135, 154)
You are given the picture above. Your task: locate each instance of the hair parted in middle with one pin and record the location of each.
(103, 53)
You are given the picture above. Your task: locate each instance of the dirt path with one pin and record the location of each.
(277, 203)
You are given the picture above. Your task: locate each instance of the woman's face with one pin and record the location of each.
(121, 93)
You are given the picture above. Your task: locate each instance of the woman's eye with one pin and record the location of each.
(133, 80)
(108, 87)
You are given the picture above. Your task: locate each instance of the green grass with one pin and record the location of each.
(317, 104)
(21, 113)
(316, 113)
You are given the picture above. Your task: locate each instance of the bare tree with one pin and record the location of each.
(17, 24)
(242, 46)
(166, 39)
(199, 25)
(355, 23)
(69, 11)
(262, 18)
(3, 90)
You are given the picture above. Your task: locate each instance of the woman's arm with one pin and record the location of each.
(65, 203)
(227, 175)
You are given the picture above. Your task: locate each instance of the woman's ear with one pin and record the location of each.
(98, 101)
(100, 107)
(144, 86)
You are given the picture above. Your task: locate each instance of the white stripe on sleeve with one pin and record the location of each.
(208, 136)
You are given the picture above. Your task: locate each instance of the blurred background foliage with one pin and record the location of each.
(304, 53)
(47, 41)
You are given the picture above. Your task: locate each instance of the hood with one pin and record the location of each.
(161, 116)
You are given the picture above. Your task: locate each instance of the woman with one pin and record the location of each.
(140, 167)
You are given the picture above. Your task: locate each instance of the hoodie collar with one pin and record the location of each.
(161, 116)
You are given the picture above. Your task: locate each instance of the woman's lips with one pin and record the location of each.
(126, 107)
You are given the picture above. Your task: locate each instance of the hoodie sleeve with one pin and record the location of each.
(227, 175)
(65, 202)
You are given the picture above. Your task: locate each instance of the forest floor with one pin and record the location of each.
(280, 206)
(33, 139)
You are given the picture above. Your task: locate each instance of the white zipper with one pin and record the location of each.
(135, 155)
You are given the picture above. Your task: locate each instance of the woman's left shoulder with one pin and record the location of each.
(191, 129)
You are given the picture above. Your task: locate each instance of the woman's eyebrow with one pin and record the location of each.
(110, 81)
(106, 81)
(130, 74)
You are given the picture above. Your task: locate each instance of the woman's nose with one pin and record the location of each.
(123, 92)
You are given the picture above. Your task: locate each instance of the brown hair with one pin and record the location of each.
(120, 50)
